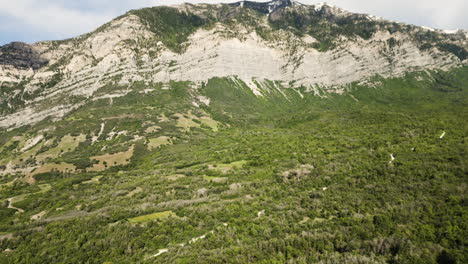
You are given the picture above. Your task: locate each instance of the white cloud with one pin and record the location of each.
(448, 14)
(51, 17)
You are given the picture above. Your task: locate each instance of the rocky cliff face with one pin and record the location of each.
(21, 55)
(296, 45)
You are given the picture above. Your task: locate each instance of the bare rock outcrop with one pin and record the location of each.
(21, 55)
(126, 50)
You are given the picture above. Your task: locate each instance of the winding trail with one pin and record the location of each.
(43, 188)
(193, 240)
(10, 205)
(161, 251)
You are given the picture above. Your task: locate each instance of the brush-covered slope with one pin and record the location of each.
(375, 175)
(235, 133)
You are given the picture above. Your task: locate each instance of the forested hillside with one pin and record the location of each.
(374, 175)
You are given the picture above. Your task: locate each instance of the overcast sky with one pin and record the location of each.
(35, 20)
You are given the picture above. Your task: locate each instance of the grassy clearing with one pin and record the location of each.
(109, 160)
(61, 167)
(224, 168)
(157, 142)
(163, 118)
(208, 121)
(67, 144)
(16, 142)
(12, 141)
(151, 217)
(185, 121)
(93, 180)
(19, 160)
(189, 120)
(152, 129)
(135, 191)
(215, 179)
(175, 177)
(44, 187)
(8, 184)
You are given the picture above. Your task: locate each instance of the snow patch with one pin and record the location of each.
(273, 5)
(450, 31)
(295, 3)
(374, 18)
(428, 28)
(319, 6)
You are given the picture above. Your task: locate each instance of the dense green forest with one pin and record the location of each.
(377, 174)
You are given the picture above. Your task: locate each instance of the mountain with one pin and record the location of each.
(312, 46)
(247, 132)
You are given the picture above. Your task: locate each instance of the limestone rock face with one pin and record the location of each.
(52, 78)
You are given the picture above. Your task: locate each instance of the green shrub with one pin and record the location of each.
(170, 25)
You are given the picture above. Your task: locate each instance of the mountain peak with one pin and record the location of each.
(280, 40)
(278, 4)
(267, 7)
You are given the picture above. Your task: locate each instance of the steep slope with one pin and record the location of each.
(297, 45)
(243, 178)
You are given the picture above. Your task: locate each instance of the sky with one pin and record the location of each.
(35, 20)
